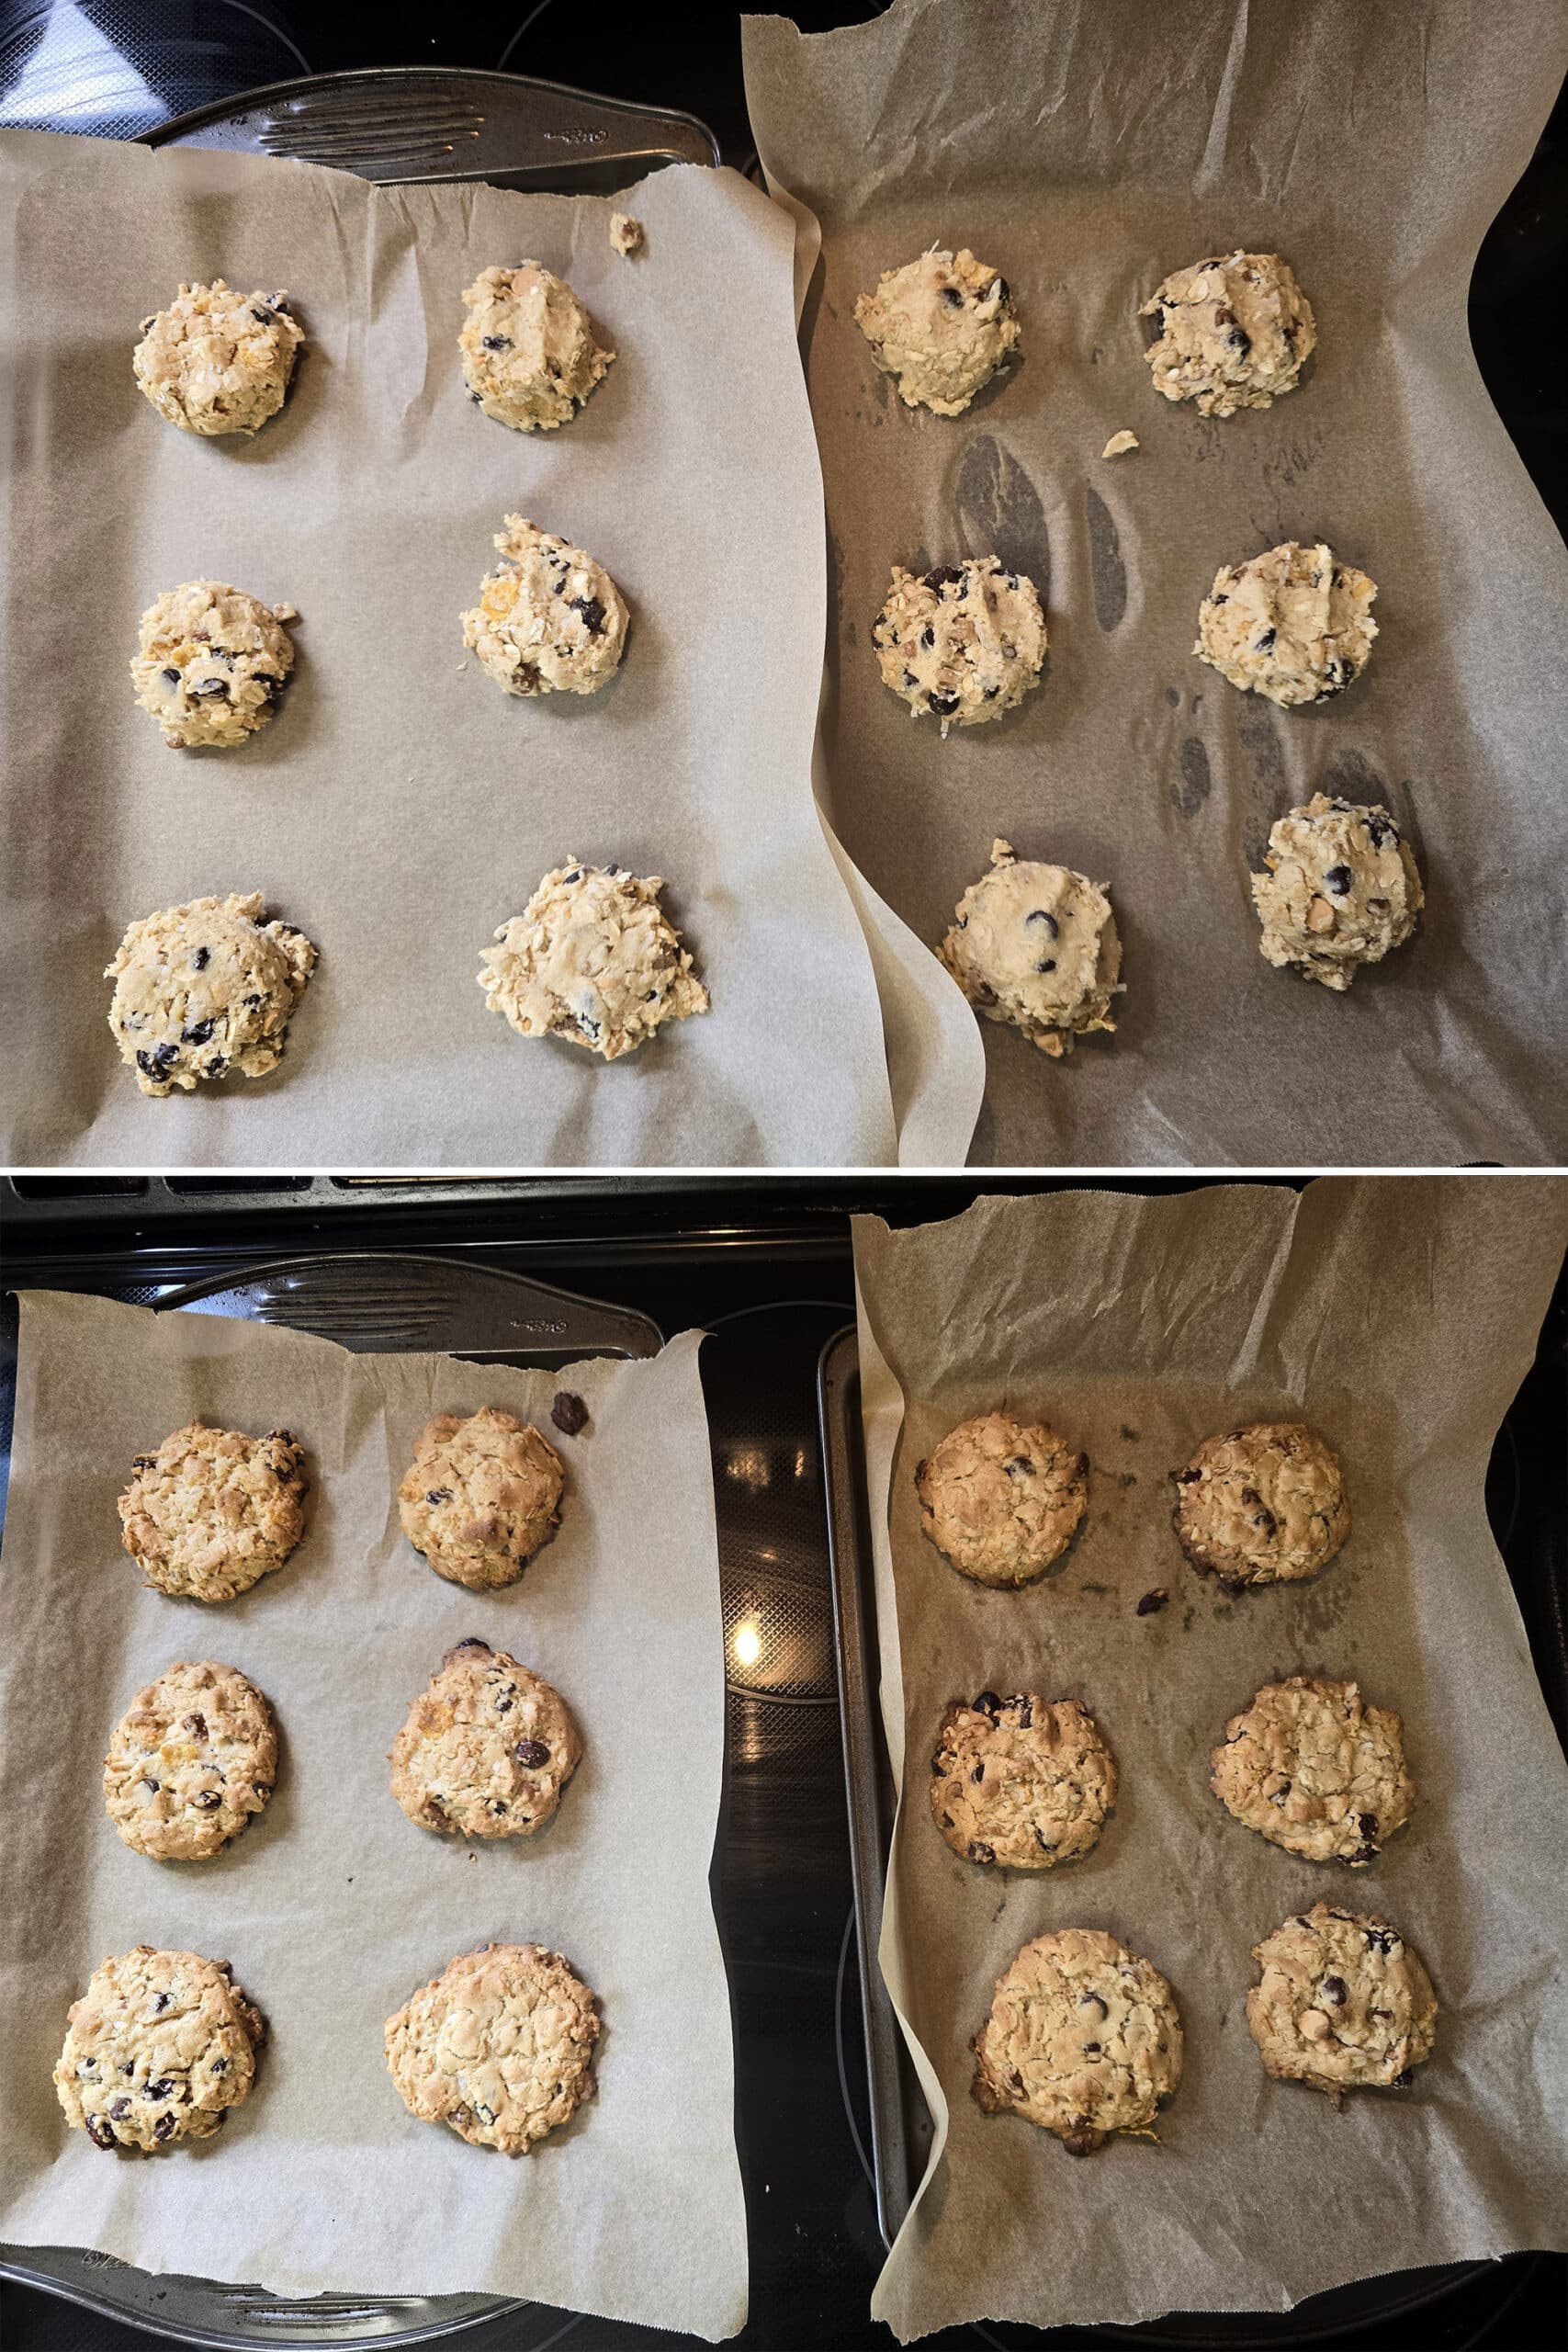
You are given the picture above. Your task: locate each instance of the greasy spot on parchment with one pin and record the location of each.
(1196, 781)
(1109, 573)
(1001, 513)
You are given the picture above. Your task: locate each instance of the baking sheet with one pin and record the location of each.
(400, 807)
(1085, 151)
(1398, 1315)
(331, 1907)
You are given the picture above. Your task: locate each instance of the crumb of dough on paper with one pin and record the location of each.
(626, 234)
(1119, 443)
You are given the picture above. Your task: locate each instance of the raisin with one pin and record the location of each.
(1380, 829)
(531, 1754)
(1333, 1989)
(199, 1032)
(1239, 340)
(118, 2107)
(1019, 1467)
(1025, 1709)
(980, 1852)
(1337, 880)
(160, 2089)
(1402, 2082)
(439, 1495)
(1267, 1522)
(569, 1413)
(593, 613)
(1368, 1825)
(496, 341)
(1382, 1939)
(1040, 915)
(98, 2133)
(945, 574)
(1153, 1601)
(987, 1704)
(208, 1800)
(164, 2128)
(200, 958)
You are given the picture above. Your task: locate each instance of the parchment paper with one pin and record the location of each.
(1398, 1317)
(1085, 151)
(332, 1907)
(399, 807)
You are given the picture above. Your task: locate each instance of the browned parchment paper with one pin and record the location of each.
(1085, 151)
(332, 1907)
(1398, 1317)
(399, 807)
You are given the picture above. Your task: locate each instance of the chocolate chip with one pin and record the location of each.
(476, 399)
(1082, 2143)
(160, 2089)
(1025, 1706)
(1052, 926)
(575, 875)
(1382, 1939)
(439, 1495)
(199, 959)
(951, 294)
(987, 1704)
(593, 613)
(1218, 599)
(978, 1774)
(98, 2133)
(205, 688)
(496, 341)
(998, 286)
(1153, 1601)
(1224, 316)
(1043, 1842)
(1368, 1824)
(118, 2107)
(980, 1852)
(1278, 1796)
(1380, 829)
(1092, 2000)
(1187, 1478)
(221, 2066)
(156, 1063)
(1239, 340)
(910, 679)
(568, 1412)
(943, 704)
(435, 1815)
(1091, 2050)
(172, 676)
(1158, 314)
(1333, 1989)
(208, 1800)
(1265, 644)
(928, 638)
(1267, 1522)
(1019, 1467)
(1337, 880)
(945, 574)
(498, 1804)
(1402, 2082)
(1048, 966)
(164, 2128)
(531, 1754)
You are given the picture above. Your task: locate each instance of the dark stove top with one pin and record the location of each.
(117, 68)
(766, 1268)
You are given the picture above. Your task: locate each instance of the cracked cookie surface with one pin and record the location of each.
(215, 360)
(481, 1496)
(1001, 1499)
(1084, 2039)
(1264, 1505)
(1231, 332)
(964, 642)
(549, 619)
(1339, 889)
(205, 989)
(1343, 2003)
(211, 662)
(1292, 623)
(500, 2047)
(530, 360)
(591, 959)
(940, 327)
(1311, 1767)
(192, 1758)
(1023, 1781)
(488, 1747)
(213, 1510)
(159, 2048)
(1036, 946)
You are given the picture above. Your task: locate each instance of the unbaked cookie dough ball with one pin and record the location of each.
(206, 988)
(1341, 889)
(940, 326)
(965, 641)
(1036, 945)
(211, 663)
(1002, 1499)
(1232, 332)
(1293, 624)
(591, 959)
(215, 360)
(550, 620)
(529, 356)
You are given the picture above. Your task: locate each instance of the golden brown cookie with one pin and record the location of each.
(481, 1496)
(1343, 2003)
(1265, 1505)
(1083, 2038)
(213, 1510)
(1024, 1782)
(193, 1758)
(160, 2046)
(1002, 1499)
(500, 2047)
(1312, 1768)
(486, 1750)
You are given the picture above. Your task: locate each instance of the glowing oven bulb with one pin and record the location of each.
(747, 1643)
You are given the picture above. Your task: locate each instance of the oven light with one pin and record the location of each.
(747, 1643)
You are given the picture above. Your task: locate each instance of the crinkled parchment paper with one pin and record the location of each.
(331, 1907)
(1397, 1315)
(1084, 152)
(400, 806)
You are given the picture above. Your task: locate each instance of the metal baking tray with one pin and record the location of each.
(373, 1302)
(402, 124)
(900, 2122)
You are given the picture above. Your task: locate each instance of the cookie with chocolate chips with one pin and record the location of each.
(159, 2047)
(213, 1510)
(192, 1760)
(1002, 1499)
(530, 358)
(1343, 2003)
(206, 989)
(499, 2047)
(488, 1747)
(1265, 1505)
(940, 327)
(1312, 1768)
(480, 1495)
(218, 361)
(963, 642)
(211, 663)
(1231, 332)
(549, 619)
(1024, 1782)
(592, 959)
(1084, 2039)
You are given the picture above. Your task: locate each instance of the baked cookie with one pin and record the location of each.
(486, 1750)
(549, 619)
(1002, 1499)
(591, 959)
(205, 989)
(159, 2047)
(1339, 889)
(192, 1758)
(217, 360)
(1024, 1782)
(1083, 2038)
(211, 663)
(1232, 332)
(1316, 1770)
(1343, 2003)
(1293, 624)
(529, 356)
(965, 641)
(213, 1510)
(627, 235)
(500, 2047)
(940, 326)
(481, 1496)
(1265, 1505)
(1036, 946)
